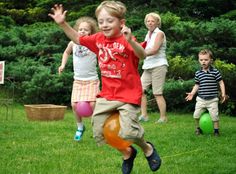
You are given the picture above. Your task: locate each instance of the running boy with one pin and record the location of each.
(206, 85)
(118, 57)
(86, 82)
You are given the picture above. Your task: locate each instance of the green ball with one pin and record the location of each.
(206, 123)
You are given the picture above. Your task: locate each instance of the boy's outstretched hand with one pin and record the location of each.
(223, 98)
(189, 96)
(58, 14)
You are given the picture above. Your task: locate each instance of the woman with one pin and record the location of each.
(155, 66)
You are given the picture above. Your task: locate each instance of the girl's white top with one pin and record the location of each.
(158, 59)
(84, 63)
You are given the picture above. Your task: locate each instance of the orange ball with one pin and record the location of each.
(111, 130)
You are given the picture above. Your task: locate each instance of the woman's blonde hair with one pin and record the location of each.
(114, 8)
(155, 16)
(92, 23)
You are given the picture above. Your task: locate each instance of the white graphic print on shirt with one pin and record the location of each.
(81, 51)
(111, 55)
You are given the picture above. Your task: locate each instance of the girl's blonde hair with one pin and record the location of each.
(155, 16)
(114, 8)
(92, 23)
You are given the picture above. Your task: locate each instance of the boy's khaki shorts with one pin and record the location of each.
(130, 129)
(155, 77)
(210, 105)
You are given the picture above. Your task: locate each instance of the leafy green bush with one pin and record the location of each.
(182, 68)
(88, 10)
(188, 38)
(229, 15)
(228, 71)
(6, 22)
(174, 94)
(39, 82)
(40, 39)
(37, 13)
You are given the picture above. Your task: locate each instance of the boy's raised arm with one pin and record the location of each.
(138, 49)
(59, 16)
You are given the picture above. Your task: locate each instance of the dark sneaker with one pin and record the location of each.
(127, 165)
(79, 133)
(154, 159)
(198, 131)
(216, 134)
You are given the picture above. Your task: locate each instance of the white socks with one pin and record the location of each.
(80, 126)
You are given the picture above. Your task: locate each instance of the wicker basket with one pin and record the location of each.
(45, 112)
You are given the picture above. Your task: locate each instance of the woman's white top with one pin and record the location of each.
(158, 59)
(84, 63)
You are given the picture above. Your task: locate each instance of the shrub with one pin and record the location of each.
(174, 93)
(182, 68)
(85, 11)
(39, 82)
(188, 37)
(40, 39)
(228, 72)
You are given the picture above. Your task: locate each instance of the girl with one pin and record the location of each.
(86, 82)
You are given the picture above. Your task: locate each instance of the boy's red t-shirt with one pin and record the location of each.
(119, 67)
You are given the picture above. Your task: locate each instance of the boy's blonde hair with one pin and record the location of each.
(114, 8)
(92, 23)
(206, 51)
(155, 16)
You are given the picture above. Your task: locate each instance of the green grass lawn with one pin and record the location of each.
(39, 147)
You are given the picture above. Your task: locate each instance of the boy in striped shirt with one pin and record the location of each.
(207, 80)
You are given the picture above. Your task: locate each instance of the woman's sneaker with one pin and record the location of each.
(161, 120)
(142, 118)
(79, 133)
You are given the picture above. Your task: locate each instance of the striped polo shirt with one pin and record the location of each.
(208, 83)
